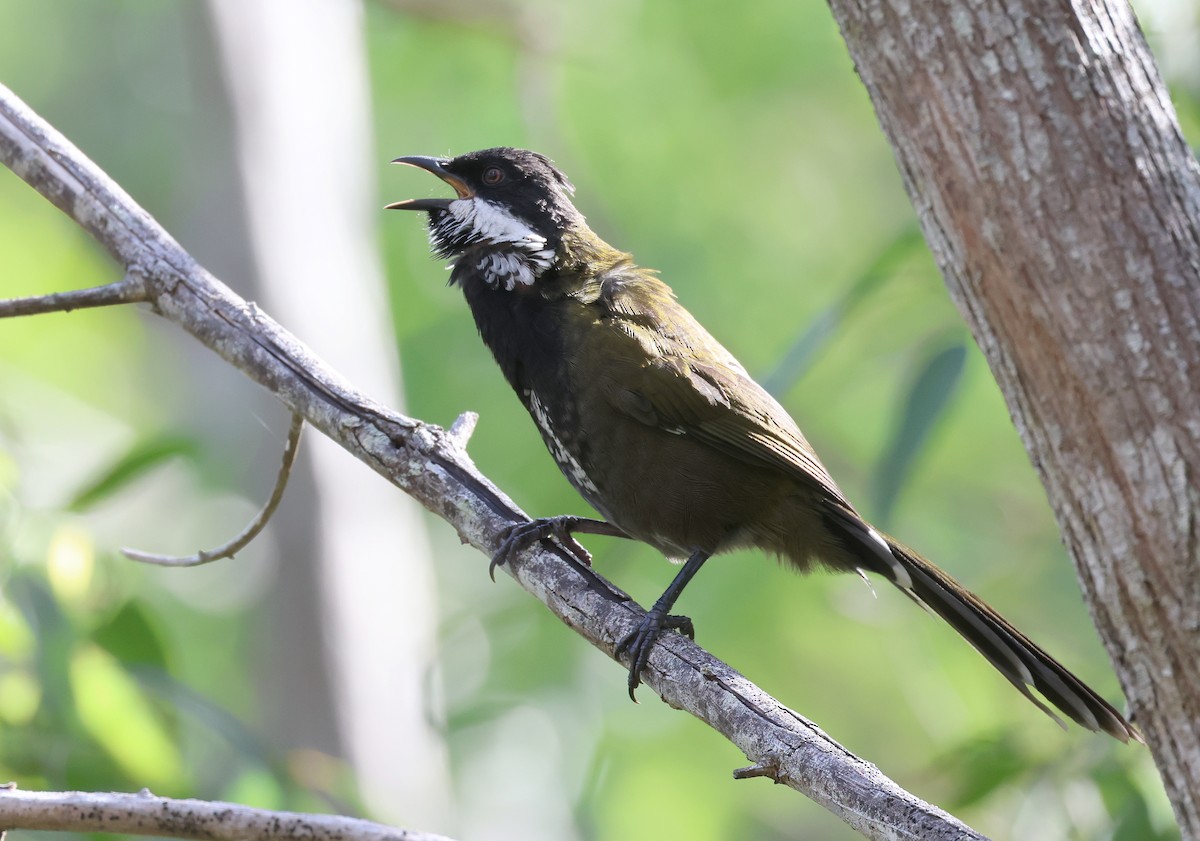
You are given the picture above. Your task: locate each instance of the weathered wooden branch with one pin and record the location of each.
(1041, 151)
(201, 820)
(431, 464)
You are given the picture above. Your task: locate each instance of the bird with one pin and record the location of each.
(661, 429)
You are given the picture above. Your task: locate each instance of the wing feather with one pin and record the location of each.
(672, 374)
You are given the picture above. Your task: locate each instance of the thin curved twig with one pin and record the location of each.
(252, 530)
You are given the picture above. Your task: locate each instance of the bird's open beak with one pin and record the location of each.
(434, 165)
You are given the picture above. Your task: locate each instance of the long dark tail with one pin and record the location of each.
(1012, 653)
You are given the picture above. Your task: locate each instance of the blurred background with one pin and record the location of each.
(356, 658)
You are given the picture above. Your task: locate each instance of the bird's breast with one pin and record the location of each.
(654, 481)
(530, 338)
(561, 433)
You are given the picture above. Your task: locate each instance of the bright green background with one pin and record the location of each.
(735, 152)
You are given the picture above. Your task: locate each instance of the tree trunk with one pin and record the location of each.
(1040, 149)
(378, 616)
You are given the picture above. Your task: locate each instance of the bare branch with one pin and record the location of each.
(127, 290)
(203, 820)
(228, 550)
(430, 464)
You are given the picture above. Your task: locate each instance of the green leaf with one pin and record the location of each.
(139, 459)
(55, 638)
(803, 352)
(160, 684)
(981, 766)
(1133, 816)
(929, 397)
(119, 718)
(132, 638)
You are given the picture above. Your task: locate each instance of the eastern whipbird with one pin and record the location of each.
(660, 428)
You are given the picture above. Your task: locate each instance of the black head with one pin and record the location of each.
(512, 204)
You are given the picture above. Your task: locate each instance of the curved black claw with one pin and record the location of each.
(521, 535)
(641, 641)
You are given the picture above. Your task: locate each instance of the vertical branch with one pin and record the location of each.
(374, 609)
(1040, 149)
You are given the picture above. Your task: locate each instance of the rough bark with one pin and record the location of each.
(1041, 151)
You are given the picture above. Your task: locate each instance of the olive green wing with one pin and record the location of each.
(669, 372)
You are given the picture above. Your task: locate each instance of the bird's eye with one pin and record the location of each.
(493, 175)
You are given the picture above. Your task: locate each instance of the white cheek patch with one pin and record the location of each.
(474, 222)
(483, 221)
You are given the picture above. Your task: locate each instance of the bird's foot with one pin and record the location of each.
(521, 535)
(641, 641)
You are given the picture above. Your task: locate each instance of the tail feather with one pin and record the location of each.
(1012, 653)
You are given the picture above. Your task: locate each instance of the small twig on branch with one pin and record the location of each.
(759, 769)
(228, 550)
(463, 428)
(203, 820)
(430, 464)
(128, 290)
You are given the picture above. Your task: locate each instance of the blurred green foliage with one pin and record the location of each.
(735, 152)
